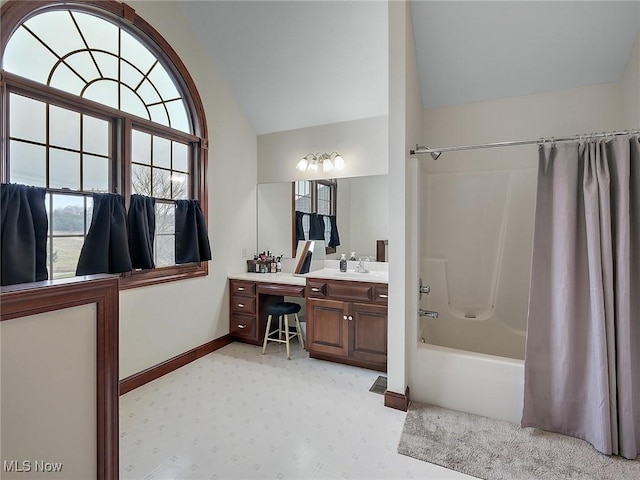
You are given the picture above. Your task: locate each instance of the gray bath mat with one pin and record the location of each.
(379, 386)
(497, 450)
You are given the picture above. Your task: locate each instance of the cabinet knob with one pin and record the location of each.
(241, 305)
(241, 289)
(314, 289)
(350, 318)
(382, 295)
(344, 317)
(242, 326)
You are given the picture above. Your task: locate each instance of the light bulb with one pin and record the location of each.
(302, 165)
(313, 166)
(327, 165)
(338, 162)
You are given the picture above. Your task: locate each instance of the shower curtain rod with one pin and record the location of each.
(424, 149)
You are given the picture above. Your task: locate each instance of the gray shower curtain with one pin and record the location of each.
(582, 364)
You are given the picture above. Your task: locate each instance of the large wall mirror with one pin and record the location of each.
(362, 213)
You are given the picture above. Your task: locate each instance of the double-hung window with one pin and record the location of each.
(95, 100)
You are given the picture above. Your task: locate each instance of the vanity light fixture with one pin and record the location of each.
(329, 161)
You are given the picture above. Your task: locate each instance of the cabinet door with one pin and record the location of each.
(368, 333)
(327, 327)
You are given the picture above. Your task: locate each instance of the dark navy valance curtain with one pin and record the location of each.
(106, 249)
(192, 242)
(317, 227)
(23, 234)
(142, 229)
(115, 243)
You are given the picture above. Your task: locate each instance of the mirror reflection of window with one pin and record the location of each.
(315, 196)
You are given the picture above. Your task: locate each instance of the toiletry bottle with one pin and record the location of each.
(279, 264)
(343, 263)
(273, 266)
(353, 257)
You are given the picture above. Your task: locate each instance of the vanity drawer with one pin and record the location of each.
(243, 288)
(241, 304)
(346, 290)
(242, 325)
(316, 289)
(381, 294)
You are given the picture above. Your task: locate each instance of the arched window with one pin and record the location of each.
(95, 100)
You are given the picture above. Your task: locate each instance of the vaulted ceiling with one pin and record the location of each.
(293, 64)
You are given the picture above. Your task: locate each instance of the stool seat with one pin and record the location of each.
(282, 310)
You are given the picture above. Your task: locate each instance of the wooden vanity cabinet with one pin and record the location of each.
(347, 322)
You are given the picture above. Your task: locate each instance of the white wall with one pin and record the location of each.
(274, 218)
(362, 143)
(405, 128)
(160, 322)
(630, 89)
(48, 397)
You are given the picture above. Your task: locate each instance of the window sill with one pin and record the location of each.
(144, 278)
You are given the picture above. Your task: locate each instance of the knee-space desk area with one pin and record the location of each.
(249, 296)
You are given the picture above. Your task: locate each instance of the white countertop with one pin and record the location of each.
(285, 278)
(373, 276)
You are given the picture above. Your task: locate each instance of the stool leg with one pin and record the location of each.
(279, 327)
(299, 331)
(266, 335)
(286, 335)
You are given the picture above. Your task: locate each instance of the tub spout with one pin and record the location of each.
(427, 313)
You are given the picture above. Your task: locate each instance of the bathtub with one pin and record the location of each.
(470, 382)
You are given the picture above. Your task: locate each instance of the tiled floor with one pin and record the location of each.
(238, 414)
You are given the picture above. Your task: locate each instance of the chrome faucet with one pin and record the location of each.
(427, 313)
(360, 268)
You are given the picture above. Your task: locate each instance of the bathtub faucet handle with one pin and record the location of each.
(424, 289)
(427, 313)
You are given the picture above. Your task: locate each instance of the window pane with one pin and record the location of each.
(161, 152)
(66, 252)
(148, 93)
(165, 250)
(64, 169)
(161, 80)
(140, 147)
(180, 186)
(99, 34)
(28, 164)
(57, 31)
(68, 214)
(95, 174)
(27, 119)
(324, 199)
(27, 57)
(130, 102)
(161, 183)
(180, 157)
(178, 116)
(103, 91)
(65, 79)
(108, 64)
(135, 52)
(129, 75)
(141, 179)
(95, 135)
(82, 63)
(64, 128)
(159, 114)
(165, 218)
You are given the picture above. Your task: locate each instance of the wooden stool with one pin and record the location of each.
(282, 309)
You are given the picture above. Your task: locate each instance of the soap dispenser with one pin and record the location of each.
(343, 263)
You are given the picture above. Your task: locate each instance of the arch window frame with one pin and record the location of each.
(15, 12)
